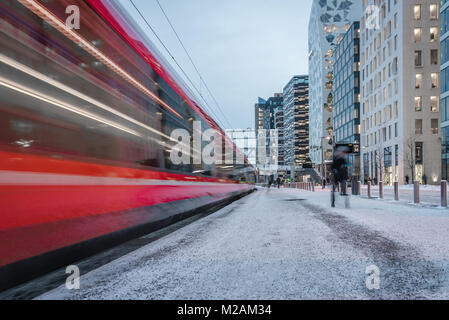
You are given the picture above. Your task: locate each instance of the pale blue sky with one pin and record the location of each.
(243, 48)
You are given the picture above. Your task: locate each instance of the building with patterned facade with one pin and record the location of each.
(329, 21)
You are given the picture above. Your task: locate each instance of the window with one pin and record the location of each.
(434, 126)
(418, 81)
(434, 56)
(418, 104)
(434, 107)
(418, 58)
(417, 12)
(433, 34)
(434, 78)
(418, 126)
(433, 11)
(419, 152)
(418, 34)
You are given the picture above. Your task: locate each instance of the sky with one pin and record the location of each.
(244, 49)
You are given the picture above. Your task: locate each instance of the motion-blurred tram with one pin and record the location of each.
(86, 113)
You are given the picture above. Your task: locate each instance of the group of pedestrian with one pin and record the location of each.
(277, 183)
(424, 179)
(373, 181)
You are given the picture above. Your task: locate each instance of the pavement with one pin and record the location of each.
(285, 244)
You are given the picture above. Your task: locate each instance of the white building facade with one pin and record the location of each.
(400, 77)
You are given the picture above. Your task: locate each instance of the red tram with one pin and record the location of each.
(85, 122)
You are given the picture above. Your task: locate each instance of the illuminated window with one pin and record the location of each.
(417, 12)
(418, 104)
(418, 82)
(433, 11)
(418, 34)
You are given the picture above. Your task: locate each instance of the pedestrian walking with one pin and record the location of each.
(339, 171)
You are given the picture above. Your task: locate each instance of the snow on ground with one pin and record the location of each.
(285, 244)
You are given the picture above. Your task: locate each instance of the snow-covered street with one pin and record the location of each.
(285, 244)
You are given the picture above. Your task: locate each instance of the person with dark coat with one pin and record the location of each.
(407, 179)
(278, 182)
(339, 168)
(424, 179)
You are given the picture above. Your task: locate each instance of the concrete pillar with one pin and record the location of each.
(416, 192)
(381, 189)
(396, 191)
(444, 193)
(369, 189)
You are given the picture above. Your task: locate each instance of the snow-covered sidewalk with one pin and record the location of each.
(285, 244)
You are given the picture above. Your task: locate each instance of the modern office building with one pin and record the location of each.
(279, 126)
(259, 115)
(346, 92)
(269, 116)
(296, 122)
(400, 72)
(329, 21)
(445, 87)
(276, 122)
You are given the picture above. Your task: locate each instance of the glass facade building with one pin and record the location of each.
(346, 112)
(296, 122)
(445, 87)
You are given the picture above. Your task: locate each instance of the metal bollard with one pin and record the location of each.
(416, 192)
(444, 193)
(369, 189)
(381, 189)
(359, 188)
(396, 190)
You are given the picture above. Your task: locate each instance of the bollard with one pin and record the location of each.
(313, 187)
(381, 189)
(444, 193)
(369, 189)
(396, 191)
(416, 192)
(359, 188)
